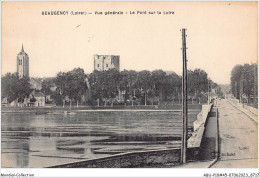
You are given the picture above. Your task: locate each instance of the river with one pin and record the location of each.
(36, 141)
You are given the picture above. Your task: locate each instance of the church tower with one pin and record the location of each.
(22, 64)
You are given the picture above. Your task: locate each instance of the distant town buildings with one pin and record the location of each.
(22, 64)
(106, 62)
(36, 98)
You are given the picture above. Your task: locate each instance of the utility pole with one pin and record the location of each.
(255, 85)
(184, 101)
(241, 87)
(208, 92)
(240, 91)
(235, 90)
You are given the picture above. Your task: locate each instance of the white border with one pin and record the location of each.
(127, 172)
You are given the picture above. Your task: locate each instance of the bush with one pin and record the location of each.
(32, 100)
(20, 100)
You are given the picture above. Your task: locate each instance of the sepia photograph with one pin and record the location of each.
(125, 84)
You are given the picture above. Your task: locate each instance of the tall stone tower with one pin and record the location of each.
(106, 62)
(22, 64)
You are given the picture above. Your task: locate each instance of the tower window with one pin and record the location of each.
(98, 65)
(106, 65)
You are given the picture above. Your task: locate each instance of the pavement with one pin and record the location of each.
(196, 164)
(251, 115)
(238, 138)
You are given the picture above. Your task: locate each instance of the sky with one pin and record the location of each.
(220, 35)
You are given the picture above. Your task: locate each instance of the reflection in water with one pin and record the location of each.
(22, 158)
(47, 140)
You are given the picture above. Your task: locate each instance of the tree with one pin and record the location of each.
(46, 87)
(157, 80)
(197, 82)
(105, 84)
(14, 88)
(254, 69)
(144, 83)
(8, 86)
(71, 84)
(110, 83)
(60, 82)
(128, 79)
(95, 82)
(236, 74)
(76, 84)
(124, 84)
(247, 79)
(172, 86)
(23, 87)
(244, 80)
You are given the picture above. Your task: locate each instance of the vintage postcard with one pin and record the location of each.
(129, 85)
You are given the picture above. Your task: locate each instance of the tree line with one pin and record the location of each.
(145, 86)
(244, 81)
(105, 87)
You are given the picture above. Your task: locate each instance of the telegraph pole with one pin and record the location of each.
(208, 91)
(235, 90)
(255, 85)
(240, 91)
(241, 87)
(184, 100)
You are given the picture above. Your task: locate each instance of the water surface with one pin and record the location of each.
(30, 140)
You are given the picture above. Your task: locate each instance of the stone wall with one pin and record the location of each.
(135, 159)
(202, 116)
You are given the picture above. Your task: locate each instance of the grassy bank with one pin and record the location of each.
(60, 109)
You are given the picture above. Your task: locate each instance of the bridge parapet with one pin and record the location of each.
(202, 116)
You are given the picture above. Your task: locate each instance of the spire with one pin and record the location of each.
(22, 48)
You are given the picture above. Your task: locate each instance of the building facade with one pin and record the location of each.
(36, 99)
(22, 64)
(106, 62)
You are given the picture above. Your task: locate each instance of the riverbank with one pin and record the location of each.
(60, 109)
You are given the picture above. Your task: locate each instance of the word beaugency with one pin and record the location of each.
(55, 12)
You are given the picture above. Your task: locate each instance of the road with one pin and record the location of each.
(238, 138)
